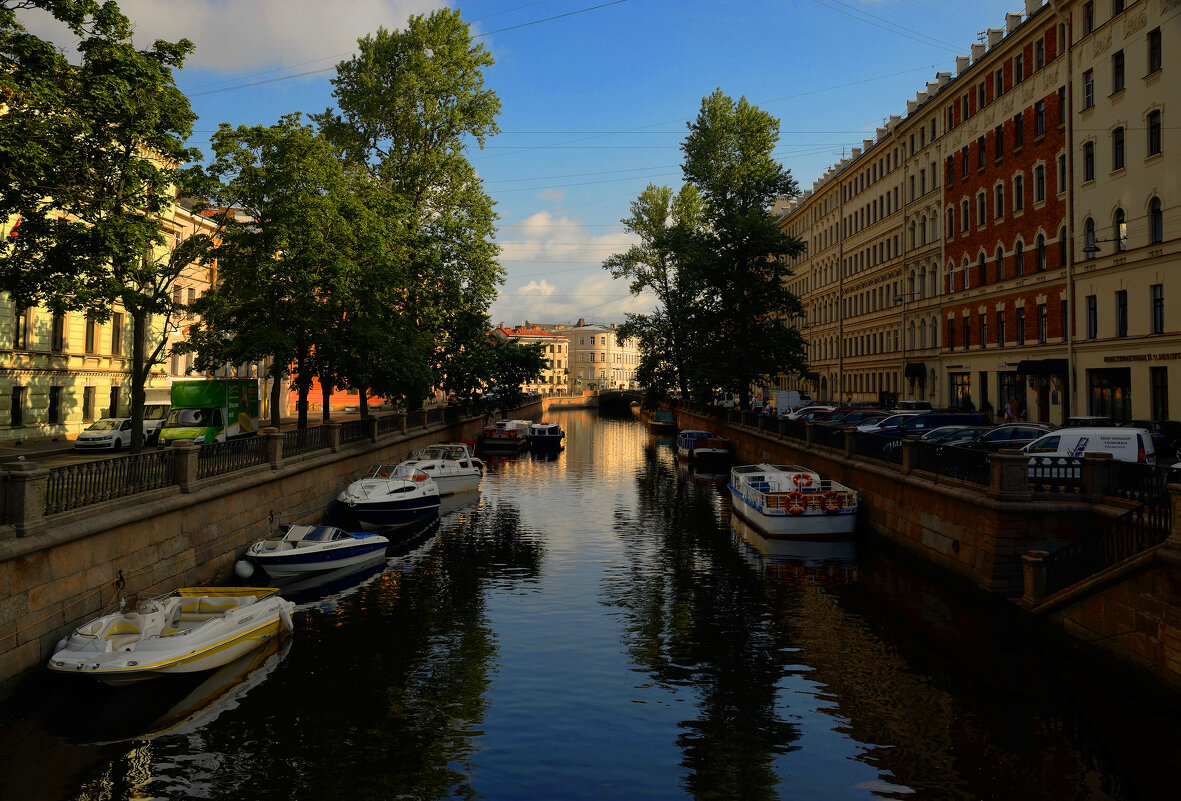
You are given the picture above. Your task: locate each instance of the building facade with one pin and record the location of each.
(600, 359)
(555, 376)
(1037, 220)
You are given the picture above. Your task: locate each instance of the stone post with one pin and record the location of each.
(783, 426)
(910, 452)
(371, 428)
(1033, 576)
(850, 441)
(186, 465)
(422, 417)
(1009, 476)
(27, 485)
(402, 422)
(273, 444)
(332, 435)
(1097, 473)
(809, 432)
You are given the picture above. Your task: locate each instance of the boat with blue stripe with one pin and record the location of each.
(312, 549)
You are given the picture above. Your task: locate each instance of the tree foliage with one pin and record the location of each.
(90, 157)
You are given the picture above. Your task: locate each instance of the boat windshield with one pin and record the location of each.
(319, 534)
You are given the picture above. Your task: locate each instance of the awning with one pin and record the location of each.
(1042, 367)
(916, 370)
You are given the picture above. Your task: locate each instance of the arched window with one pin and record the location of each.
(910, 336)
(1019, 258)
(1041, 252)
(923, 231)
(1000, 264)
(1156, 222)
(913, 237)
(967, 278)
(923, 334)
(950, 220)
(1089, 246)
(951, 276)
(964, 215)
(1119, 225)
(981, 275)
(1062, 246)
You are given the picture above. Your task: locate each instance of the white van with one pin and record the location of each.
(1125, 444)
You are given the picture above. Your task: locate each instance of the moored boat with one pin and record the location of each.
(793, 501)
(545, 436)
(702, 446)
(450, 464)
(384, 500)
(662, 421)
(505, 436)
(306, 549)
(189, 630)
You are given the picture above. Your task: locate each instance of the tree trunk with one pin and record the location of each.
(325, 399)
(303, 384)
(139, 376)
(276, 392)
(363, 395)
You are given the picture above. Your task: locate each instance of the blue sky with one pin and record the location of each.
(595, 94)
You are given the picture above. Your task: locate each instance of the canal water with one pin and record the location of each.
(596, 625)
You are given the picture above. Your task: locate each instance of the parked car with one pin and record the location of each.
(886, 422)
(855, 417)
(814, 415)
(925, 421)
(1006, 435)
(1166, 437)
(1088, 421)
(913, 406)
(839, 414)
(805, 409)
(109, 433)
(1123, 442)
(952, 433)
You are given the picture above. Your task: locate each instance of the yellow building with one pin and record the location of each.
(600, 359)
(555, 375)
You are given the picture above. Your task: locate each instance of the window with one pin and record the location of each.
(117, 334)
(1021, 325)
(1062, 246)
(1156, 222)
(1157, 299)
(1117, 72)
(964, 161)
(1039, 118)
(1018, 192)
(1092, 317)
(1117, 149)
(1019, 130)
(999, 135)
(18, 406)
(1088, 18)
(1121, 313)
(1019, 258)
(1158, 379)
(1119, 225)
(20, 328)
(1039, 183)
(964, 216)
(91, 334)
(980, 96)
(1039, 54)
(57, 333)
(1089, 246)
(1154, 132)
(1000, 264)
(983, 323)
(1061, 173)
(922, 182)
(1019, 68)
(951, 221)
(113, 411)
(88, 404)
(1154, 51)
(980, 152)
(999, 201)
(981, 207)
(1041, 253)
(1061, 106)
(951, 334)
(1000, 328)
(964, 114)
(1088, 161)
(1043, 324)
(1089, 89)
(1117, 6)
(967, 333)
(54, 416)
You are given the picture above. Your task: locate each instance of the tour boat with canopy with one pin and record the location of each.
(793, 501)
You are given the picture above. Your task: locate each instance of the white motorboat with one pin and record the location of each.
(189, 630)
(450, 464)
(384, 500)
(311, 549)
(793, 501)
(505, 435)
(545, 436)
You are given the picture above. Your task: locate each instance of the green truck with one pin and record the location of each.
(211, 410)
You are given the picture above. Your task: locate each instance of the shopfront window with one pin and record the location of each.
(1011, 387)
(960, 391)
(1110, 393)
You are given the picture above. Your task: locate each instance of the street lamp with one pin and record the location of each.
(902, 297)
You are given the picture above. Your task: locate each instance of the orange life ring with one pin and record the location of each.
(833, 502)
(796, 503)
(802, 480)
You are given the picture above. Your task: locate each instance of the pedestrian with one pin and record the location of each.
(1009, 411)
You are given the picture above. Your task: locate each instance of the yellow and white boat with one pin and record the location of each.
(187, 631)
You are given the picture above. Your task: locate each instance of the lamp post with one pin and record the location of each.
(902, 297)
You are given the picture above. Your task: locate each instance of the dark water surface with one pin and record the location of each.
(591, 626)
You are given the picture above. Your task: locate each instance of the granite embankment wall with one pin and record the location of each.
(1126, 617)
(63, 570)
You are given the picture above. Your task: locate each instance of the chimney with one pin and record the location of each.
(963, 62)
(1032, 7)
(581, 321)
(943, 77)
(1012, 21)
(995, 35)
(978, 50)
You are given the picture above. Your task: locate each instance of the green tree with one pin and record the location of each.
(90, 158)
(740, 251)
(409, 104)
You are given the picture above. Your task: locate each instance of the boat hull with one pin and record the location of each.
(544, 443)
(374, 516)
(449, 485)
(812, 524)
(294, 563)
(502, 444)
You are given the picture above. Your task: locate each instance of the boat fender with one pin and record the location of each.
(285, 616)
(833, 502)
(802, 480)
(796, 503)
(243, 568)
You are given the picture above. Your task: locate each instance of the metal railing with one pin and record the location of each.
(1124, 537)
(795, 429)
(434, 415)
(76, 485)
(1055, 474)
(874, 447)
(387, 424)
(219, 458)
(829, 436)
(966, 464)
(354, 431)
(303, 440)
(1143, 483)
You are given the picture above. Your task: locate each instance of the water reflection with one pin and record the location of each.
(795, 561)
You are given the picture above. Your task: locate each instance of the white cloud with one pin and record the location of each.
(235, 35)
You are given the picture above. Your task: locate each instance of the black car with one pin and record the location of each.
(1166, 438)
(1008, 435)
(853, 418)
